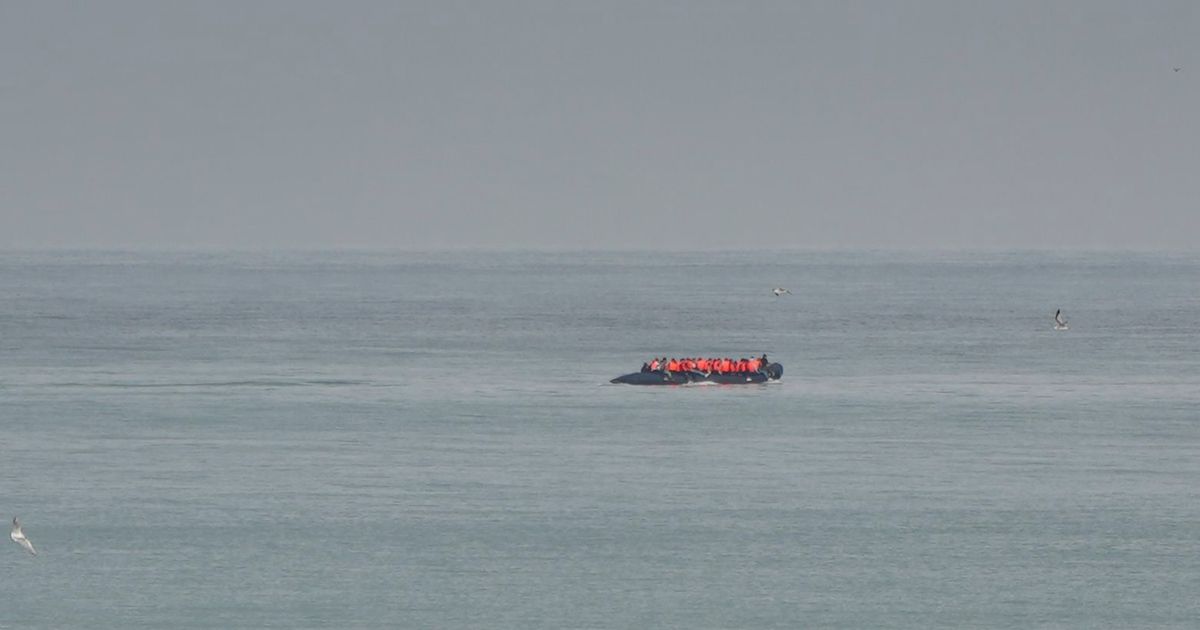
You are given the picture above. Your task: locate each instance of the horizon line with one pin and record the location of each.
(223, 249)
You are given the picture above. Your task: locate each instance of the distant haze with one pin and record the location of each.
(675, 125)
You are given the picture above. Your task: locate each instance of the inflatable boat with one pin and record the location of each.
(772, 372)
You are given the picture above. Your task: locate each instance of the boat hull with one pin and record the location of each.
(772, 372)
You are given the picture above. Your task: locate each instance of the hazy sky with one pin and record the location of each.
(682, 125)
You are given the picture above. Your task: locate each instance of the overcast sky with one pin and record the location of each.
(681, 125)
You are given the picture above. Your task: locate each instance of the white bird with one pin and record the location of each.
(780, 291)
(18, 537)
(1059, 322)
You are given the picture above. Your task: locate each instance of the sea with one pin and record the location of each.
(370, 439)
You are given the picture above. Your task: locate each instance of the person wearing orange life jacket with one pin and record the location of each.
(672, 365)
(654, 365)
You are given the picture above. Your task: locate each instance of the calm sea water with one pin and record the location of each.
(430, 441)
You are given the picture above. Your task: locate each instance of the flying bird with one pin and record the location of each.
(1059, 322)
(18, 537)
(1177, 69)
(780, 291)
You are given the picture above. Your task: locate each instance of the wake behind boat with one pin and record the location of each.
(720, 371)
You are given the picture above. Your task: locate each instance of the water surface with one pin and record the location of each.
(376, 440)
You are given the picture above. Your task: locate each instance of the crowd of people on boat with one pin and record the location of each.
(710, 365)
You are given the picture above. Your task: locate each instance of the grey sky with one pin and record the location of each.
(684, 125)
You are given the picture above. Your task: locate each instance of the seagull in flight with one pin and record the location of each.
(18, 537)
(1177, 69)
(780, 291)
(1059, 322)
